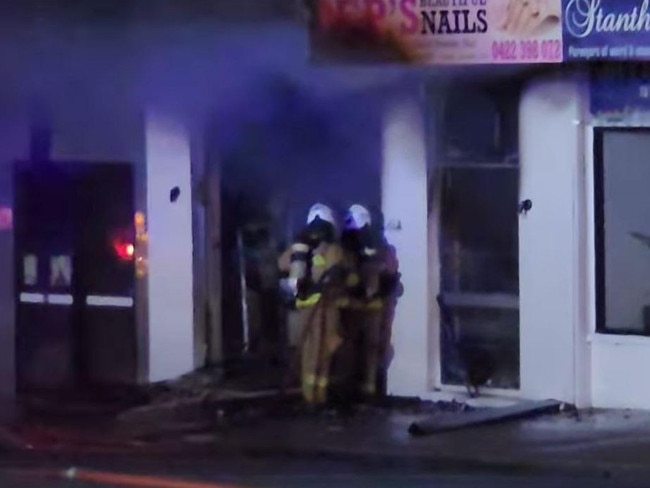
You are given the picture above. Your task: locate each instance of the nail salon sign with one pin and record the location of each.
(437, 32)
(606, 29)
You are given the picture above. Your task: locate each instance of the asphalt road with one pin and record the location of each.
(260, 473)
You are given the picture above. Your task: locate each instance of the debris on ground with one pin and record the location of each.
(417, 406)
(193, 401)
(206, 400)
(195, 384)
(523, 410)
(292, 408)
(211, 382)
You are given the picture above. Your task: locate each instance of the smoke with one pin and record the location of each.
(190, 67)
(173, 54)
(97, 77)
(194, 66)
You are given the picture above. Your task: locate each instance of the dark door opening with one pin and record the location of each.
(74, 272)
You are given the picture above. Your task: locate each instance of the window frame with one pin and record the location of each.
(441, 163)
(499, 93)
(600, 271)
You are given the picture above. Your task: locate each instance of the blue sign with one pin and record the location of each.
(606, 29)
(616, 90)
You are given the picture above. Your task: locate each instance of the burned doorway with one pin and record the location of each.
(74, 275)
(296, 149)
(476, 186)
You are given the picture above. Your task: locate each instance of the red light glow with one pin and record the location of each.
(124, 250)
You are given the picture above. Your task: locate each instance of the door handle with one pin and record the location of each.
(525, 206)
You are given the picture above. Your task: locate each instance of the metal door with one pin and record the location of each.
(44, 236)
(105, 273)
(74, 239)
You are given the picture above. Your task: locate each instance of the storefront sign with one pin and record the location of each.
(438, 31)
(616, 90)
(606, 29)
(612, 95)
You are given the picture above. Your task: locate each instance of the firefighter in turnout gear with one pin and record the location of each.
(313, 264)
(370, 281)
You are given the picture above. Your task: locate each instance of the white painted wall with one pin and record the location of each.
(171, 332)
(404, 200)
(620, 366)
(550, 281)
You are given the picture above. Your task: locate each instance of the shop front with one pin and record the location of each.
(480, 175)
(528, 184)
(505, 246)
(581, 305)
(538, 245)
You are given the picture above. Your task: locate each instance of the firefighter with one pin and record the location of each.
(369, 284)
(313, 262)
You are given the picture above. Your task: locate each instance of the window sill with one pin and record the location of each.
(481, 300)
(618, 340)
(487, 398)
(473, 164)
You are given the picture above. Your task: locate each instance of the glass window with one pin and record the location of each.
(479, 124)
(477, 193)
(479, 247)
(622, 173)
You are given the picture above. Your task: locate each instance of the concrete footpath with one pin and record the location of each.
(601, 443)
(607, 444)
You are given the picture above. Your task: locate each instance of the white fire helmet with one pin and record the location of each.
(357, 217)
(321, 211)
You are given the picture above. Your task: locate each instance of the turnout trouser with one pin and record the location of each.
(320, 340)
(361, 361)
